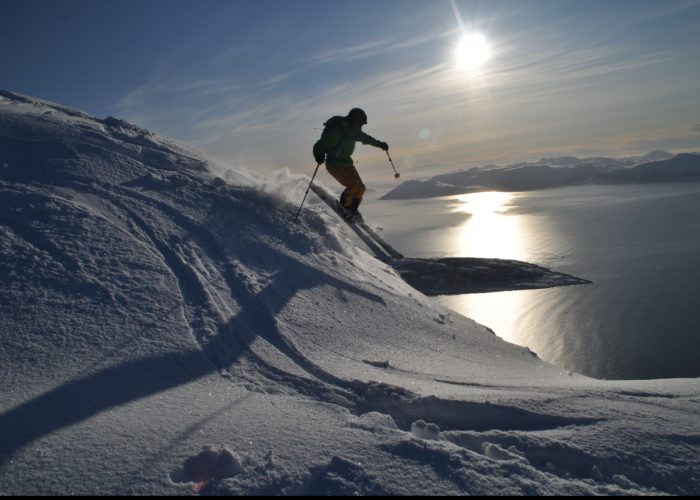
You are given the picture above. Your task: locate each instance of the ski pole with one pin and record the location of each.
(396, 174)
(307, 192)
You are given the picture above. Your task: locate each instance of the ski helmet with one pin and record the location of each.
(357, 117)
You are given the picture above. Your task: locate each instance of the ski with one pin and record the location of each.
(376, 244)
(373, 234)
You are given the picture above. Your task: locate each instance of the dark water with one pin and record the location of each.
(640, 245)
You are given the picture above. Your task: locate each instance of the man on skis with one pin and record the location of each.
(335, 147)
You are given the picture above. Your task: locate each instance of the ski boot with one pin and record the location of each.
(357, 216)
(345, 213)
(350, 213)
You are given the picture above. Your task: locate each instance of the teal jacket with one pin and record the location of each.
(338, 142)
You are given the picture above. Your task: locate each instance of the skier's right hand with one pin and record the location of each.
(384, 146)
(320, 158)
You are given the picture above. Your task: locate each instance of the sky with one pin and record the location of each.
(252, 82)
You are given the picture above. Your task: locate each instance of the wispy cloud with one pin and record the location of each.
(374, 48)
(344, 54)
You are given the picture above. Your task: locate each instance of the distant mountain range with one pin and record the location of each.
(657, 166)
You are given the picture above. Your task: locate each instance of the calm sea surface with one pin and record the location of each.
(640, 245)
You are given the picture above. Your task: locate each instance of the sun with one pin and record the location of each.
(472, 51)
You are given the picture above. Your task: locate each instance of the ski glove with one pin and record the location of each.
(384, 146)
(320, 158)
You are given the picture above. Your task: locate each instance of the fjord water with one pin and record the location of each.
(638, 244)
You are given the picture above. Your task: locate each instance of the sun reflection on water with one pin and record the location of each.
(500, 311)
(490, 231)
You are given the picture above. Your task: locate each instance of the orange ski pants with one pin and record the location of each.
(350, 178)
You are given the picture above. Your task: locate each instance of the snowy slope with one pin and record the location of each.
(166, 332)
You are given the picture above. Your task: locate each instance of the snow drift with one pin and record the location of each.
(168, 331)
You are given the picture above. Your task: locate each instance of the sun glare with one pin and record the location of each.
(472, 52)
(490, 231)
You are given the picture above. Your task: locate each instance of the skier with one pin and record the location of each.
(335, 148)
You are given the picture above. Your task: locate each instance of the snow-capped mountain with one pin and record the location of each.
(657, 166)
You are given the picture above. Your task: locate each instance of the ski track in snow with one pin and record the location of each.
(238, 264)
(197, 300)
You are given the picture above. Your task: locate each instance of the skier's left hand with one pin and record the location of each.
(384, 146)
